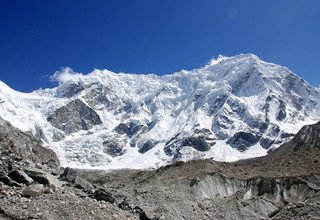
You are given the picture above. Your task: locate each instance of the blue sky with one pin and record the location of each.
(39, 37)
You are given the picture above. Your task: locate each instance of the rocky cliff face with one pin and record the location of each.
(21, 149)
(73, 117)
(233, 108)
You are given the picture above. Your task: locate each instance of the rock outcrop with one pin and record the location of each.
(20, 149)
(73, 117)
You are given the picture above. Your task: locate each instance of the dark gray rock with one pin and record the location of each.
(266, 143)
(281, 115)
(83, 184)
(202, 141)
(147, 146)
(242, 140)
(122, 128)
(9, 182)
(22, 149)
(20, 177)
(69, 175)
(129, 129)
(112, 148)
(198, 143)
(307, 137)
(124, 205)
(43, 177)
(68, 90)
(100, 95)
(40, 134)
(102, 195)
(218, 103)
(286, 135)
(74, 116)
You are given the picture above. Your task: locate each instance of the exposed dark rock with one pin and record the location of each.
(124, 205)
(68, 90)
(20, 177)
(43, 177)
(40, 134)
(18, 148)
(307, 137)
(194, 181)
(242, 140)
(143, 216)
(74, 116)
(123, 128)
(286, 135)
(129, 129)
(69, 175)
(266, 186)
(218, 103)
(274, 130)
(199, 100)
(274, 213)
(101, 194)
(100, 95)
(112, 148)
(197, 143)
(7, 181)
(281, 115)
(150, 125)
(266, 143)
(202, 141)
(263, 127)
(147, 146)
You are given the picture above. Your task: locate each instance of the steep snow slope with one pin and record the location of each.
(233, 108)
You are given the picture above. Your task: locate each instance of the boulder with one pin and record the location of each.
(34, 190)
(69, 175)
(83, 184)
(43, 177)
(9, 182)
(102, 195)
(20, 177)
(124, 205)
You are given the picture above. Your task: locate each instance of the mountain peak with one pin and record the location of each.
(234, 108)
(236, 58)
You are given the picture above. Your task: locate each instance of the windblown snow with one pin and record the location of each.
(232, 108)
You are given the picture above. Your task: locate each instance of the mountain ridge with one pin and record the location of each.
(233, 108)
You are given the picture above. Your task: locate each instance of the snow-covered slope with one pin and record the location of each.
(233, 108)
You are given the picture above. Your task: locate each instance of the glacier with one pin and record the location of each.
(232, 108)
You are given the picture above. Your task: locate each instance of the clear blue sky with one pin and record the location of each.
(38, 37)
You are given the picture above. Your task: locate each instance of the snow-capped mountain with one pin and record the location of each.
(233, 108)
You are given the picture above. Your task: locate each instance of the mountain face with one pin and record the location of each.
(233, 108)
(19, 149)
